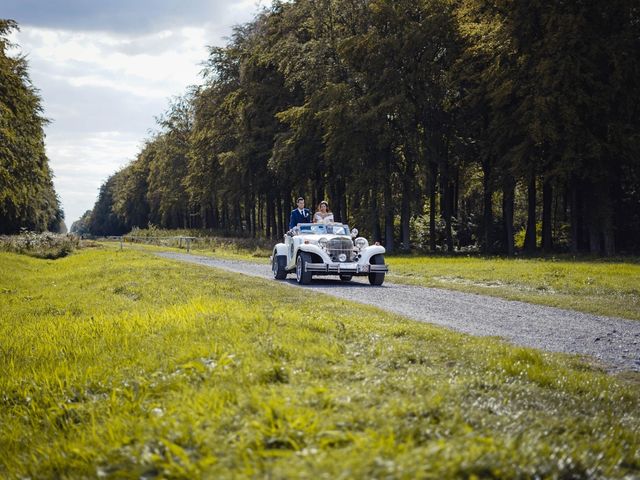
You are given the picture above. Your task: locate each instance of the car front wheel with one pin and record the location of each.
(302, 276)
(278, 266)
(378, 277)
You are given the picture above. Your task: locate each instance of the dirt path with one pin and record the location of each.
(613, 341)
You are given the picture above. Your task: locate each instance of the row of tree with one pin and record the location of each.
(27, 197)
(431, 123)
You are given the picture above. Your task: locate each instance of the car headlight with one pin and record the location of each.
(322, 243)
(361, 243)
(342, 257)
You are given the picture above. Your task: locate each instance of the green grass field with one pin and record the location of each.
(610, 288)
(602, 287)
(122, 365)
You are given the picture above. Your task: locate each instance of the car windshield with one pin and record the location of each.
(338, 229)
(322, 228)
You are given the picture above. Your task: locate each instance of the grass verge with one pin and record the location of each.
(121, 364)
(214, 249)
(204, 242)
(602, 287)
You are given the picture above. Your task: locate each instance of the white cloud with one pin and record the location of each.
(128, 16)
(103, 87)
(82, 163)
(147, 65)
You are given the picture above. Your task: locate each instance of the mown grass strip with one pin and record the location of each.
(121, 364)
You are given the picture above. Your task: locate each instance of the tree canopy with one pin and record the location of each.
(27, 196)
(438, 124)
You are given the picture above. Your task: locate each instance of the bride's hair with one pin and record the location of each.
(323, 202)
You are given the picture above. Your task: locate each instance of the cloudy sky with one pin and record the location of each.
(106, 69)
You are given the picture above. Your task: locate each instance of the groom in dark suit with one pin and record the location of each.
(299, 215)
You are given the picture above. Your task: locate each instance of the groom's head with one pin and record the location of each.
(300, 203)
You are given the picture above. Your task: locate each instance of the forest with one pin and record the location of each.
(438, 125)
(28, 200)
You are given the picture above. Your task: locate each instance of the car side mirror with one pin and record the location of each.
(354, 232)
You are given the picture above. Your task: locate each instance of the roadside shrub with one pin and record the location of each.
(41, 245)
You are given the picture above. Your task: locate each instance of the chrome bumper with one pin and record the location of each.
(345, 268)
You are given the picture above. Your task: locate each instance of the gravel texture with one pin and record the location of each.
(615, 342)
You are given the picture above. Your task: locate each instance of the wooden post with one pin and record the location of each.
(188, 244)
(121, 241)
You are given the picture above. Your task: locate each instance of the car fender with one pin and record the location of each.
(315, 249)
(370, 251)
(280, 249)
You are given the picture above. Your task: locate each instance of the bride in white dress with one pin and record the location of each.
(323, 214)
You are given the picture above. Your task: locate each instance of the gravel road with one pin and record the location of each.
(615, 342)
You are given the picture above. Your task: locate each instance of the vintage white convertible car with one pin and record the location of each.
(327, 249)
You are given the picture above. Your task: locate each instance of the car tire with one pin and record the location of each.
(346, 278)
(376, 278)
(278, 266)
(303, 277)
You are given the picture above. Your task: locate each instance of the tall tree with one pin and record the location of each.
(496, 114)
(27, 196)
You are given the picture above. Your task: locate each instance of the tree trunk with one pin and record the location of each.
(600, 212)
(608, 236)
(343, 202)
(375, 216)
(268, 219)
(280, 227)
(594, 240)
(433, 181)
(334, 201)
(487, 211)
(445, 208)
(547, 205)
(405, 213)
(508, 195)
(319, 190)
(237, 216)
(455, 200)
(448, 211)
(388, 216)
(255, 215)
(203, 216)
(575, 217)
(530, 235)
(215, 219)
(261, 216)
(449, 193)
(248, 206)
(285, 212)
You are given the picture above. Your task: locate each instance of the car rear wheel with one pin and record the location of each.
(378, 277)
(302, 276)
(278, 266)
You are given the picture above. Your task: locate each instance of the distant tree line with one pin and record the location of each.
(27, 197)
(438, 124)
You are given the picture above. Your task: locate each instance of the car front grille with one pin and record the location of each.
(336, 246)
